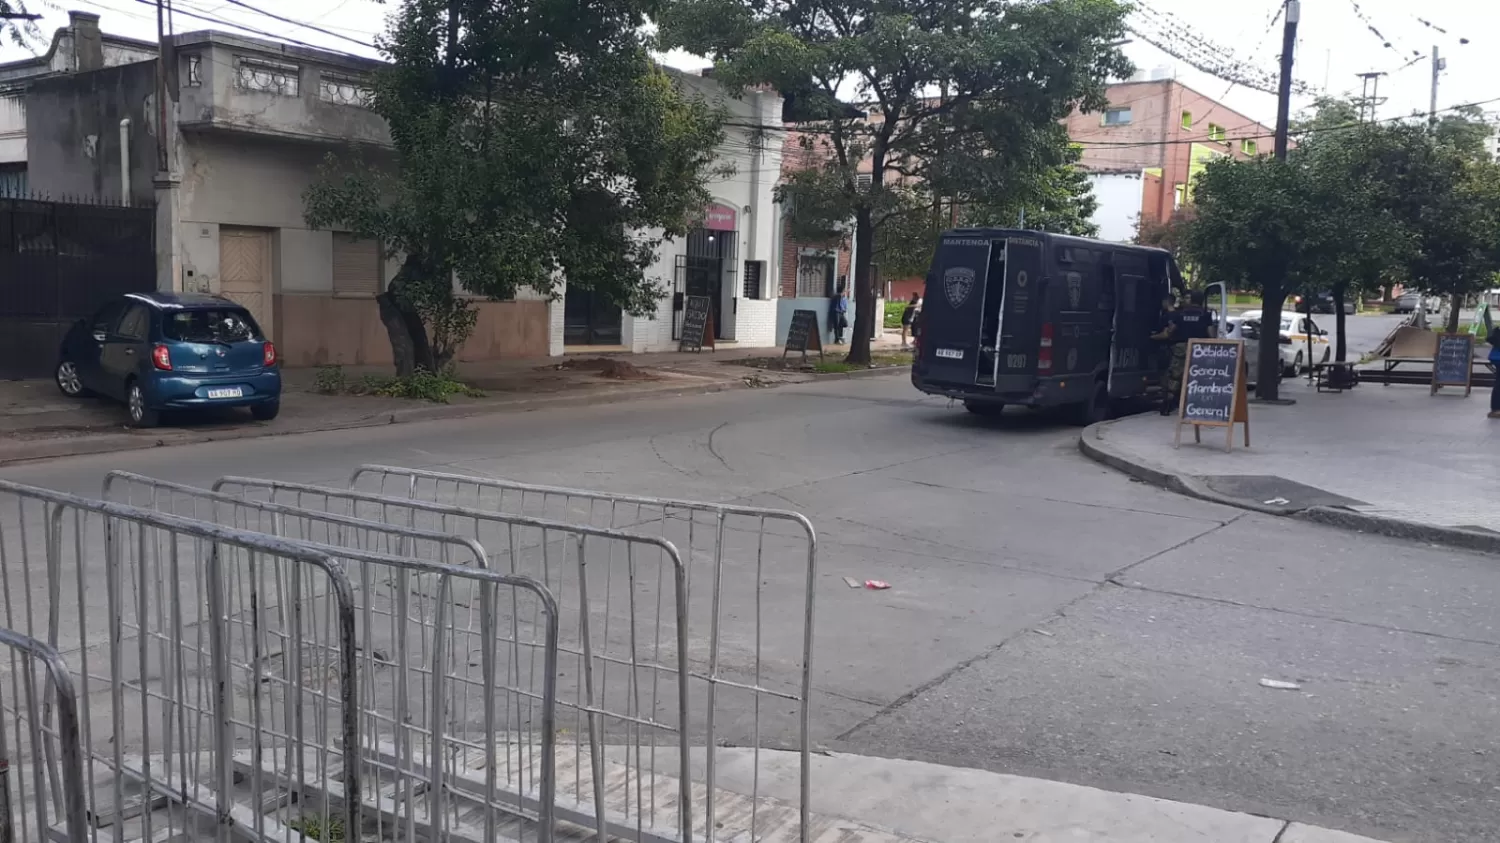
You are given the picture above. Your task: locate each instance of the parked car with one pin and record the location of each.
(171, 351)
(1321, 303)
(1295, 328)
(1409, 302)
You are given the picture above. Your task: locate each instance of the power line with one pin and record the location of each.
(310, 27)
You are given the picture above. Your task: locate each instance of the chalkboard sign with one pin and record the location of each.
(1453, 364)
(1213, 389)
(695, 324)
(803, 335)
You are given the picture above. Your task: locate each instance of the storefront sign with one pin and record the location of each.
(718, 217)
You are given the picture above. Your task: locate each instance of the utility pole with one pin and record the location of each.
(1438, 66)
(1284, 89)
(1273, 291)
(169, 270)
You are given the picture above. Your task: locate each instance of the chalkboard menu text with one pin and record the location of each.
(696, 325)
(803, 334)
(1453, 364)
(1213, 389)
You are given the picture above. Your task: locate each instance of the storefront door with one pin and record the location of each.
(590, 319)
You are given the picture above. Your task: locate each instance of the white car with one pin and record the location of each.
(1295, 328)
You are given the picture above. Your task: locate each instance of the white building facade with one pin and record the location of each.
(728, 259)
(1119, 195)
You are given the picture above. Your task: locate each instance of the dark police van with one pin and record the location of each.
(1042, 320)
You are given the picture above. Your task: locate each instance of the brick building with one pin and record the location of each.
(1166, 132)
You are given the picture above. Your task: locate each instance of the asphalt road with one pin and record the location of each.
(1047, 617)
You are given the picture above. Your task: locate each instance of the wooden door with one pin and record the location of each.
(245, 271)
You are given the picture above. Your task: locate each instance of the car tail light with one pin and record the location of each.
(1044, 357)
(269, 355)
(161, 356)
(1286, 340)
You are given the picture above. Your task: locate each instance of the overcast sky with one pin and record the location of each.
(1335, 43)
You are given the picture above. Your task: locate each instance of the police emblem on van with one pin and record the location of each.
(1075, 289)
(958, 282)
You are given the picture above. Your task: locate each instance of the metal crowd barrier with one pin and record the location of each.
(39, 728)
(621, 599)
(439, 647)
(203, 646)
(766, 654)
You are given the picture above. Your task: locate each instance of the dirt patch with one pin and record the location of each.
(608, 367)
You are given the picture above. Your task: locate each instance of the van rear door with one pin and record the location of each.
(952, 309)
(1137, 305)
(1022, 312)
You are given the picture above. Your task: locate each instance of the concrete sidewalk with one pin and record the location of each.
(883, 800)
(37, 422)
(1390, 459)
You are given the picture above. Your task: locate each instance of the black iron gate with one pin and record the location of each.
(59, 261)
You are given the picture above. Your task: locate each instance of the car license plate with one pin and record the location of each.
(951, 353)
(227, 392)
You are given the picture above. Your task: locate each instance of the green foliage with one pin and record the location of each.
(893, 310)
(312, 827)
(532, 142)
(966, 99)
(420, 385)
(423, 385)
(1354, 208)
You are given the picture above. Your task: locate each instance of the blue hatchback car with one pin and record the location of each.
(172, 351)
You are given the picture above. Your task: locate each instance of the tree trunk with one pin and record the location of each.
(864, 291)
(1338, 323)
(1268, 365)
(403, 325)
(1454, 306)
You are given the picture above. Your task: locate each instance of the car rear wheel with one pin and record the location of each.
(68, 380)
(141, 414)
(1296, 367)
(985, 408)
(265, 412)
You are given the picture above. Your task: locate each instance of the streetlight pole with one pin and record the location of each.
(1284, 88)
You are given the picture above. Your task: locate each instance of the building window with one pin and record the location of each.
(12, 180)
(195, 71)
(356, 265)
(1179, 195)
(1187, 119)
(1215, 132)
(1116, 117)
(267, 77)
(863, 181)
(815, 271)
(345, 90)
(1248, 147)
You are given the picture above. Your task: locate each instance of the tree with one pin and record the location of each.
(1250, 224)
(962, 97)
(532, 142)
(18, 25)
(1058, 199)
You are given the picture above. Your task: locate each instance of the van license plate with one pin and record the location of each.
(228, 392)
(951, 353)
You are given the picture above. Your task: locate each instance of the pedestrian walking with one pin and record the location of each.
(838, 315)
(1494, 339)
(909, 316)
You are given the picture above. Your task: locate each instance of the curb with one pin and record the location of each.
(87, 445)
(1096, 447)
(115, 442)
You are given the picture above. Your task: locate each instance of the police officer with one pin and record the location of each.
(1193, 322)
